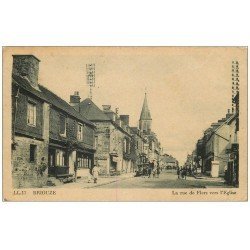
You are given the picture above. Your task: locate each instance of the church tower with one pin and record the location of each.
(145, 118)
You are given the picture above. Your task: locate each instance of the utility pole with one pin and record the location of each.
(235, 83)
(90, 78)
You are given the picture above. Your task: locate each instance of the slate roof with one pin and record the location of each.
(145, 113)
(91, 111)
(48, 96)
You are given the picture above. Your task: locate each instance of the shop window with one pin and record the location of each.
(31, 114)
(84, 161)
(33, 153)
(62, 125)
(60, 158)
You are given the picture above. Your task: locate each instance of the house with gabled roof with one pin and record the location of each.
(44, 126)
(112, 136)
(217, 143)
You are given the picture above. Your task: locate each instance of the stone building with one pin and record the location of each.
(113, 138)
(233, 150)
(139, 156)
(212, 148)
(45, 126)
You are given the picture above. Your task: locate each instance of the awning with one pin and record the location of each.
(84, 151)
(54, 145)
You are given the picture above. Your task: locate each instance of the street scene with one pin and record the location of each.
(97, 123)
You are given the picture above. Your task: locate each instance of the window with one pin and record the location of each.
(32, 153)
(128, 147)
(31, 114)
(84, 161)
(60, 158)
(80, 132)
(125, 146)
(96, 142)
(62, 125)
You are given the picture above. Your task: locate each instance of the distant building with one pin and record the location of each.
(168, 161)
(139, 156)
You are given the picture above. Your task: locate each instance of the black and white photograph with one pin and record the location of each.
(126, 118)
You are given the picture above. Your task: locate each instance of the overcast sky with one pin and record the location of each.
(187, 89)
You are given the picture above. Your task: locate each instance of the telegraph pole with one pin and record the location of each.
(235, 83)
(90, 78)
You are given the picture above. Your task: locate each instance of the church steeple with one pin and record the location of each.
(145, 118)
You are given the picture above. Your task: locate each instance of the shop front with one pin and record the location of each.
(113, 164)
(85, 162)
(57, 161)
(232, 172)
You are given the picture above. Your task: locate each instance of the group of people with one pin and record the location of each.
(182, 172)
(153, 169)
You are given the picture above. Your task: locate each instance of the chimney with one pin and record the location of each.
(228, 114)
(26, 66)
(106, 107)
(75, 99)
(125, 119)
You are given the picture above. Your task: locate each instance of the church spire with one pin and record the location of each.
(145, 113)
(145, 118)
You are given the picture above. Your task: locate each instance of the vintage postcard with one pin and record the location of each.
(125, 124)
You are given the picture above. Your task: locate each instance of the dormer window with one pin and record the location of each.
(80, 132)
(62, 125)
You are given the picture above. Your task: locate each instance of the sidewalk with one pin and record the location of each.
(83, 182)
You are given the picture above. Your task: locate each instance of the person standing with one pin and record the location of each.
(158, 171)
(42, 167)
(95, 173)
(178, 172)
(149, 169)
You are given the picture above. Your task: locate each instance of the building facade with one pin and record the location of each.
(113, 138)
(45, 128)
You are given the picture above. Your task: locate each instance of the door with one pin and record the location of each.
(52, 155)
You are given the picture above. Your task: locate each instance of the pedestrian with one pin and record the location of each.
(154, 172)
(42, 167)
(95, 173)
(158, 171)
(178, 172)
(149, 170)
(184, 173)
(75, 169)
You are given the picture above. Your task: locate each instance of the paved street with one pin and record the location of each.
(166, 180)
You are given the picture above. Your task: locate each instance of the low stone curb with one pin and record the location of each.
(111, 181)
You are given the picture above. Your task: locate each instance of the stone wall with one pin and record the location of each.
(24, 171)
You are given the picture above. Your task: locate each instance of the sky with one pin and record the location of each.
(187, 88)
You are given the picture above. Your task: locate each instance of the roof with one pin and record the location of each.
(91, 111)
(145, 113)
(48, 96)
